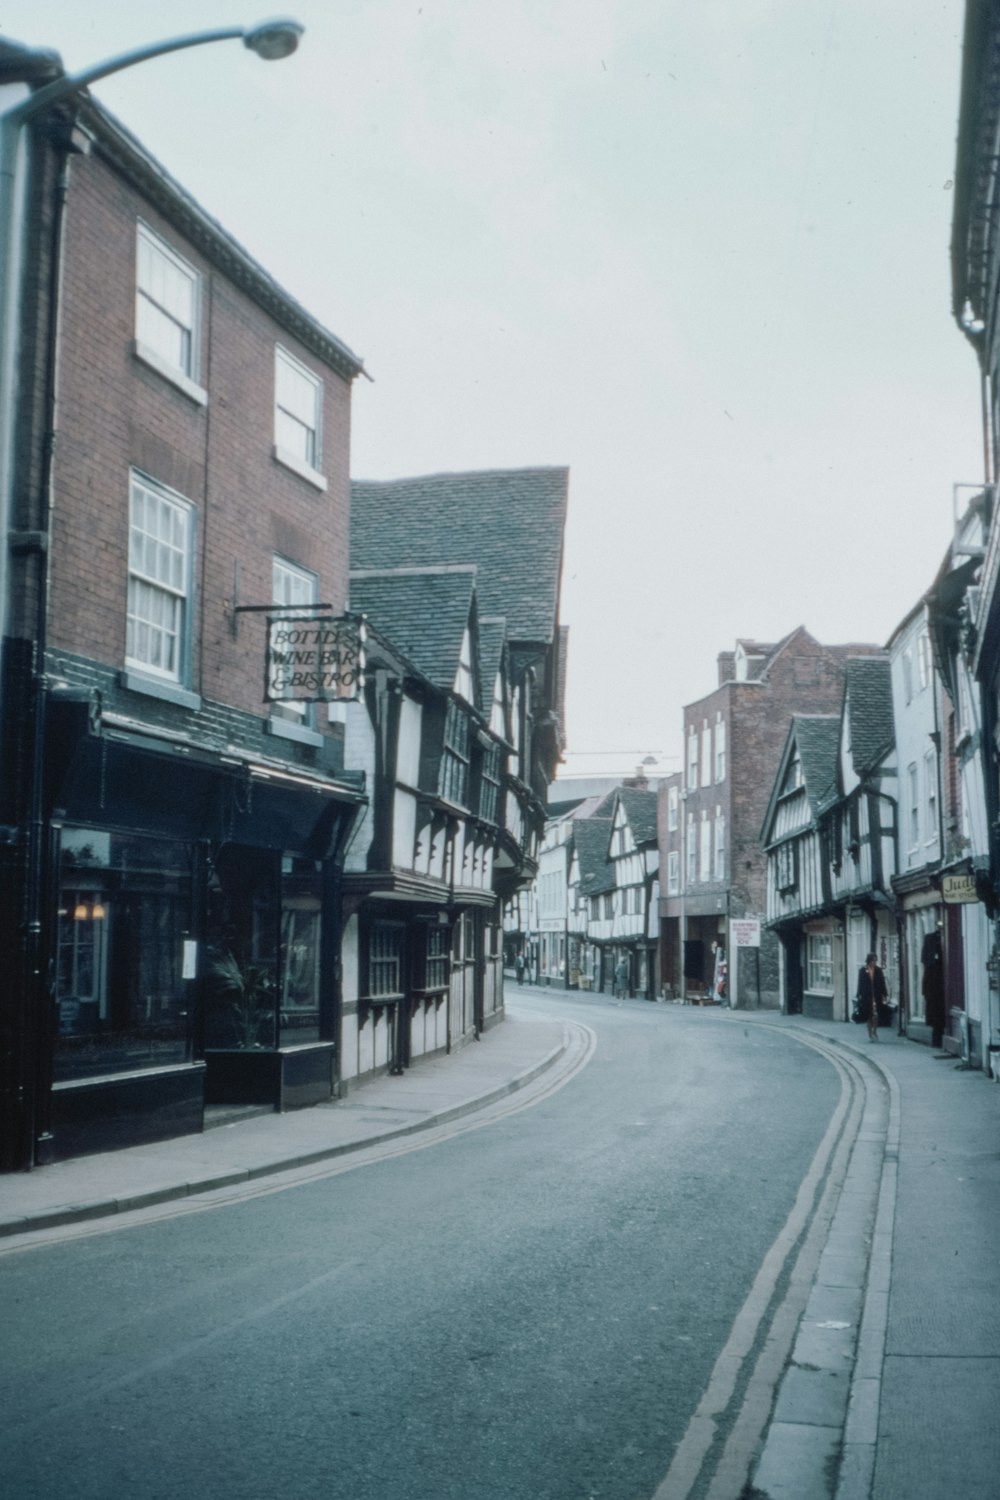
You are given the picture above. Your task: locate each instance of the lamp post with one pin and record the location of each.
(270, 40)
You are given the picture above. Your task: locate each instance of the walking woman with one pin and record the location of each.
(872, 992)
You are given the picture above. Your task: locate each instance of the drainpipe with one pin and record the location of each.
(36, 997)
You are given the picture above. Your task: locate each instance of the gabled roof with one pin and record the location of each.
(509, 522)
(868, 704)
(590, 843)
(640, 809)
(815, 739)
(422, 611)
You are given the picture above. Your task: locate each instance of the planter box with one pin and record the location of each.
(288, 1078)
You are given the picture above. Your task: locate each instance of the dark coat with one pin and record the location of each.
(871, 988)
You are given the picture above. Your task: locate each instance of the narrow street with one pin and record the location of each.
(532, 1309)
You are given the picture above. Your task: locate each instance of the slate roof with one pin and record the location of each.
(868, 702)
(640, 809)
(590, 840)
(492, 639)
(422, 611)
(509, 522)
(817, 739)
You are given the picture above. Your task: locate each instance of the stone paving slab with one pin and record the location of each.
(921, 1419)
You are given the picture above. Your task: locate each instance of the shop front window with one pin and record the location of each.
(264, 935)
(124, 919)
(301, 924)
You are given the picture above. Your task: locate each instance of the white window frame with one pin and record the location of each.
(719, 857)
(673, 803)
(673, 872)
(785, 871)
(720, 749)
(159, 581)
(706, 754)
(705, 848)
(692, 763)
(157, 311)
(930, 797)
(913, 806)
(819, 962)
(692, 851)
(923, 659)
(298, 430)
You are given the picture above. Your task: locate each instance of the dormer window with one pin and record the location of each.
(793, 776)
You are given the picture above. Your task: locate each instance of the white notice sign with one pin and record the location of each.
(745, 932)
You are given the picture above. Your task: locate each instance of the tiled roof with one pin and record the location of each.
(590, 840)
(640, 809)
(868, 699)
(509, 522)
(422, 611)
(817, 739)
(492, 639)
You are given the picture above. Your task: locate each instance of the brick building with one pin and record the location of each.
(710, 819)
(172, 843)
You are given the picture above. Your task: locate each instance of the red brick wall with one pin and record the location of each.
(114, 413)
(804, 678)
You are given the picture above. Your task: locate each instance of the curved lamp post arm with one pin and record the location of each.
(271, 40)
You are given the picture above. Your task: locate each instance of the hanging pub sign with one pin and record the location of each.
(314, 658)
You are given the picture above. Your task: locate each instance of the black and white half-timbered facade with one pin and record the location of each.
(457, 576)
(830, 837)
(421, 947)
(624, 901)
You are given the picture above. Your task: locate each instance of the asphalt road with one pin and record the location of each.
(530, 1311)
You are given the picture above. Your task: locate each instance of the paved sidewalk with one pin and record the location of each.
(434, 1090)
(919, 1417)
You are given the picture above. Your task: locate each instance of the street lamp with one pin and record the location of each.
(270, 40)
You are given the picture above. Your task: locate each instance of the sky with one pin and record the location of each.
(697, 253)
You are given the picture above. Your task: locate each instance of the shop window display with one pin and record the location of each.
(124, 915)
(265, 929)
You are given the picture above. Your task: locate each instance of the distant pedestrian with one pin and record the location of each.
(621, 978)
(872, 992)
(519, 968)
(932, 986)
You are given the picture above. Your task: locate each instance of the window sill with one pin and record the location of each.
(169, 372)
(152, 687)
(285, 729)
(303, 470)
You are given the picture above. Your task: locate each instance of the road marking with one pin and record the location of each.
(808, 1221)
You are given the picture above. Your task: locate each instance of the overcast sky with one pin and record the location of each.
(697, 252)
